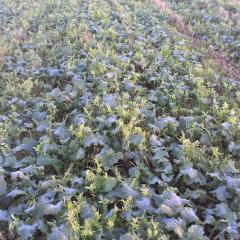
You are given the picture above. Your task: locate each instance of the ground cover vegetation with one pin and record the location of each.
(113, 125)
(216, 23)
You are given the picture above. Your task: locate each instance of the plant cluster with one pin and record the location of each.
(217, 23)
(112, 126)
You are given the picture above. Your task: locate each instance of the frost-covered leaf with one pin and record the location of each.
(28, 144)
(50, 148)
(221, 193)
(78, 82)
(55, 93)
(233, 229)
(125, 191)
(1, 159)
(166, 178)
(196, 232)
(144, 204)
(173, 224)
(164, 209)
(108, 157)
(53, 72)
(160, 155)
(209, 219)
(177, 151)
(80, 154)
(164, 122)
(110, 183)
(57, 234)
(234, 148)
(189, 171)
(111, 120)
(167, 168)
(229, 168)
(52, 209)
(42, 126)
(92, 139)
(39, 116)
(172, 200)
(188, 214)
(216, 175)
(77, 181)
(97, 102)
(205, 139)
(135, 139)
(78, 120)
(154, 141)
(3, 185)
(233, 182)
(26, 231)
(62, 133)
(109, 100)
(69, 191)
(129, 87)
(86, 211)
(222, 210)
(186, 122)
(15, 193)
(3, 215)
(129, 236)
(193, 174)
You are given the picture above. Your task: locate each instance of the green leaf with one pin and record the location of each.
(46, 160)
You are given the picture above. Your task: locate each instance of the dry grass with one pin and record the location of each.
(20, 35)
(224, 13)
(236, 1)
(2, 237)
(180, 25)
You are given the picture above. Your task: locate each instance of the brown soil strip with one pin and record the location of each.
(180, 25)
(218, 57)
(236, 1)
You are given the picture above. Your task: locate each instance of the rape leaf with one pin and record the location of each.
(3, 185)
(108, 157)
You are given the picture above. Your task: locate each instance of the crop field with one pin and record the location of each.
(119, 119)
